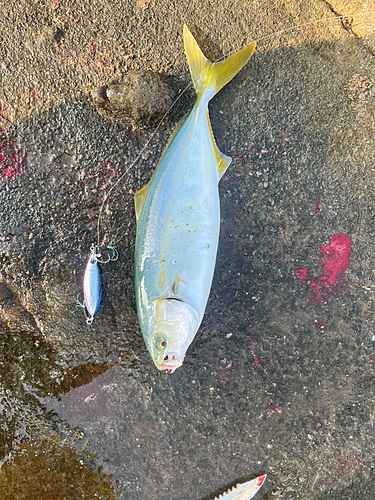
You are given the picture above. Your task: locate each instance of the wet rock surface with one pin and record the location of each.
(275, 382)
(141, 98)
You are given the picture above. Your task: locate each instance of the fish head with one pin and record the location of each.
(174, 326)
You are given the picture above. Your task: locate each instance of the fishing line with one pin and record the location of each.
(92, 281)
(274, 34)
(309, 23)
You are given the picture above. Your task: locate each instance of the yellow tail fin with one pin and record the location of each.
(207, 75)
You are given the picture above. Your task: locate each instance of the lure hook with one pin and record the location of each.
(111, 258)
(89, 319)
(114, 255)
(78, 303)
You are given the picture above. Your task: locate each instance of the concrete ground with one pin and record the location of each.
(280, 377)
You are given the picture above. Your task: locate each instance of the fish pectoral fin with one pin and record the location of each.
(139, 200)
(176, 284)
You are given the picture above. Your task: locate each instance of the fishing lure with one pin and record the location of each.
(243, 491)
(93, 283)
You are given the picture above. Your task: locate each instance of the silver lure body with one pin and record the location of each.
(92, 286)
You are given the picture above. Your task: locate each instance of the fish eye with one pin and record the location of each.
(161, 344)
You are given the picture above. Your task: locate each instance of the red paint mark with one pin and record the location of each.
(320, 425)
(256, 361)
(226, 376)
(12, 159)
(107, 172)
(346, 463)
(242, 159)
(302, 274)
(334, 261)
(261, 480)
(273, 408)
(321, 321)
(335, 258)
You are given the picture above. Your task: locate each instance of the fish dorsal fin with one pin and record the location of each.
(141, 195)
(139, 200)
(222, 161)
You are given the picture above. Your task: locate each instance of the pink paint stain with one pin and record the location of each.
(321, 321)
(226, 376)
(12, 159)
(334, 261)
(317, 209)
(302, 274)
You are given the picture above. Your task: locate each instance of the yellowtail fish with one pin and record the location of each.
(178, 219)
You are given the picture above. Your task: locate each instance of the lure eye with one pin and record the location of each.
(161, 344)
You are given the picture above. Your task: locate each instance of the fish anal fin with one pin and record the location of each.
(222, 161)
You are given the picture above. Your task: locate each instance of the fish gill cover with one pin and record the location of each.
(334, 261)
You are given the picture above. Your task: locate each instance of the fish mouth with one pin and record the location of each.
(171, 362)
